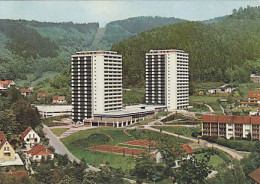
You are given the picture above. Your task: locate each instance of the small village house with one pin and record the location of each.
(59, 100)
(30, 137)
(255, 78)
(26, 91)
(4, 85)
(253, 99)
(41, 96)
(6, 151)
(38, 153)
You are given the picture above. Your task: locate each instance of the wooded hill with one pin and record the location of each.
(28, 49)
(217, 51)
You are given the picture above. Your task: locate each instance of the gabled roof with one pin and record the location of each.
(255, 175)
(58, 97)
(3, 143)
(6, 82)
(187, 149)
(253, 94)
(2, 136)
(42, 95)
(39, 150)
(27, 130)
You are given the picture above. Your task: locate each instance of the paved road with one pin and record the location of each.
(60, 148)
(229, 151)
(210, 108)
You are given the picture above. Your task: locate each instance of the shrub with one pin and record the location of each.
(94, 139)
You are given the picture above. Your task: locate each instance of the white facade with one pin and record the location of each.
(167, 78)
(54, 110)
(39, 157)
(32, 138)
(102, 90)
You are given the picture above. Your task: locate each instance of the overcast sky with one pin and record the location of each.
(106, 11)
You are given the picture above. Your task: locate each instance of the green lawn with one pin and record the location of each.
(118, 136)
(186, 131)
(240, 145)
(210, 100)
(95, 158)
(59, 131)
(151, 135)
(215, 160)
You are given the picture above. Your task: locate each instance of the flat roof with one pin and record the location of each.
(96, 52)
(130, 110)
(53, 108)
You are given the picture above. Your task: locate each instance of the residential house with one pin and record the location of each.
(255, 176)
(59, 100)
(6, 151)
(255, 78)
(188, 153)
(226, 88)
(26, 91)
(41, 96)
(39, 152)
(30, 137)
(4, 85)
(253, 99)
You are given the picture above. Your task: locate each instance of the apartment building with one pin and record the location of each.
(231, 126)
(167, 78)
(96, 80)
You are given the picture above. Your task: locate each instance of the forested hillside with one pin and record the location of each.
(29, 49)
(217, 51)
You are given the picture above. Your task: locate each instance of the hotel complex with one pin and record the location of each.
(96, 83)
(97, 87)
(167, 78)
(236, 127)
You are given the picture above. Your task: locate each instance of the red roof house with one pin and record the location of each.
(41, 95)
(30, 137)
(38, 152)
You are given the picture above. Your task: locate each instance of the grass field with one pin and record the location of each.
(210, 100)
(59, 131)
(94, 157)
(186, 131)
(118, 136)
(215, 160)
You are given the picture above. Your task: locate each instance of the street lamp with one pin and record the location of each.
(154, 180)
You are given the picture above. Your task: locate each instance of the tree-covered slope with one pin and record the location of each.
(119, 30)
(28, 49)
(214, 49)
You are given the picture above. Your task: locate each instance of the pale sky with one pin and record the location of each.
(106, 11)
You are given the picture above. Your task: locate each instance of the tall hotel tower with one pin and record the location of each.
(167, 78)
(96, 80)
